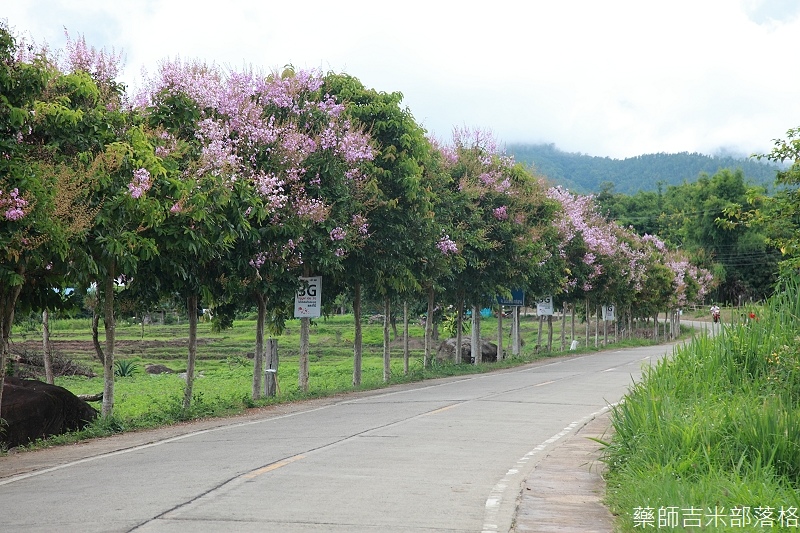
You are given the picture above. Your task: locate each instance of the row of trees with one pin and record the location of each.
(225, 187)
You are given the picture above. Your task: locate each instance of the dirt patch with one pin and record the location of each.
(121, 347)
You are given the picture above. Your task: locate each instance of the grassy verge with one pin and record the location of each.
(709, 440)
(225, 373)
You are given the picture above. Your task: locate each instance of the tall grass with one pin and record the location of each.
(716, 426)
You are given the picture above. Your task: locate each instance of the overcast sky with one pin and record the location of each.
(613, 78)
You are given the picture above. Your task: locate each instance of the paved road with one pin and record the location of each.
(443, 456)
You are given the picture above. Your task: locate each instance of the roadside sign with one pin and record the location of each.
(308, 299)
(517, 299)
(608, 312)
(544, 306)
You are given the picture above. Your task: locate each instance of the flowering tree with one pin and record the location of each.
(279, 160)
(503, 215)
(398, 199)
(54, 122)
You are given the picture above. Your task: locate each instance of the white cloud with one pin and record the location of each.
(614, 78)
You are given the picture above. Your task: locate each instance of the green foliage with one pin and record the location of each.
(702, 218)
(125, 368)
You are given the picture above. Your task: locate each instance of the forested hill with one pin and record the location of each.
(585, 174)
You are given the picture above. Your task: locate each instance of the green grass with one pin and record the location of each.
(716, 426)
(225, 374)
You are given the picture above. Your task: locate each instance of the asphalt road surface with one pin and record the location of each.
(448, 455)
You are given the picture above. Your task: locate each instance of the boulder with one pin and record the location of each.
(158, 369)
(33, 409)
(447, 350)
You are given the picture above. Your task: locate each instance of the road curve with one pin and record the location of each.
(446, 455)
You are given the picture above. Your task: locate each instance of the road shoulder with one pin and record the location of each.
(564, 492)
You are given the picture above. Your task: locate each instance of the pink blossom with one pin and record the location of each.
(140, 183)
(361, 224)
(14, 203)
(337, 234)
(446, 245)
(500, 213)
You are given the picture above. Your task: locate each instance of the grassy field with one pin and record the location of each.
(710, 439)
(225, 372)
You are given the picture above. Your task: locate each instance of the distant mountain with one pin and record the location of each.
(584, 174)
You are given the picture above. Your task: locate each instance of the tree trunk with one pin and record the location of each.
(588, 317)
(406, 348)
(47, 355)
(271, 381)
(572, 322)
(597, 327)
(655, 326)
(387, 346)
(426, 360)
(549, 333)
(563, 326)
(258, 362)
(98, 350)
(358, 341)
(459, 327)
(475, 343)
(499, 332)
(191, 307)
(108, 357)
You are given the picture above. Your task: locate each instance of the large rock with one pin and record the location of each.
(447, 350)
(33, 409)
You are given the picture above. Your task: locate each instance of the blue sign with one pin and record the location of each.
(517, 299)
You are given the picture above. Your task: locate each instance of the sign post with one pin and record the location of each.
(516, 301)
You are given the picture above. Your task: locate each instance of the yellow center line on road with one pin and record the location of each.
(273, 466)
(437, 411)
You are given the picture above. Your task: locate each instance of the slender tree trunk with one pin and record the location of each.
(597, 327)
(357, 342)
(426, 361)
(655, 326)
(98, 350)
(47, 354)
(108, 357)
(191, 308)
(387, 346)
(271, 382)
(549, 333)
(499, 332)
(605, 332)
(258, 362)
(588, 318)
(475, 343)
(459, 328)
(406, 348)
(517, 341)
(572, 322)
(563, 326)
